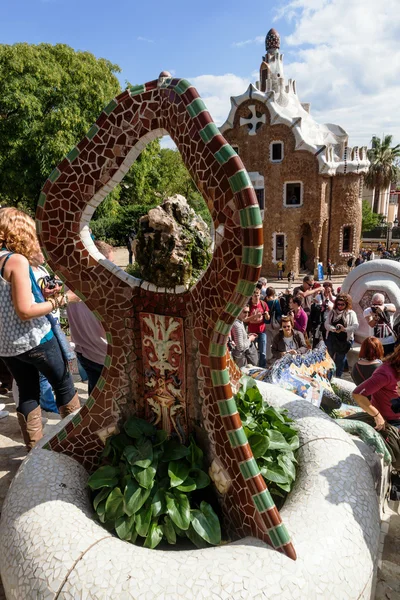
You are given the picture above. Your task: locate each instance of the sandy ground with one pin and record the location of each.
(12, 452)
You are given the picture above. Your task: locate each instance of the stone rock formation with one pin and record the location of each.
(173, 244)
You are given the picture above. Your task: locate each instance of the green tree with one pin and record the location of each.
(141, 182)
(370, 220)
(49, 98)
(176, 179)
(384, 167)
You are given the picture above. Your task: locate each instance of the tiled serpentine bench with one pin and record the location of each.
(52, 549)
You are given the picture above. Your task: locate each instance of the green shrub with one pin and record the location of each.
(147, 489)
(271, 436)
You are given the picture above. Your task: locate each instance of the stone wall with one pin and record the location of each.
(346, 211)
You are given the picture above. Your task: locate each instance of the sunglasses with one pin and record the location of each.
(341, 303)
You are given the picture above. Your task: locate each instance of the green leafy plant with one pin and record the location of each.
(271, 436)
(147, 489)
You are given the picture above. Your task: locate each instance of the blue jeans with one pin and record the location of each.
(47, 401)
(262, 349)
(47, 359)
(92, 369)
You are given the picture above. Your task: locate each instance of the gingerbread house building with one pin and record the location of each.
(307, 179)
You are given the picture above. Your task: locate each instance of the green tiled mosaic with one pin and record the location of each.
(263, 501)
(225, 154)
(220, 377)
(76, 419)
(137, 89)
(110, 107)
(101, 383)
(279, 535)
(227, 407)
(72, 154)
(89, 402)
(196, 107)
(233, 309)
(222, 327)
(245, 287)
(237, 438)
(109, 337)
(249, 468)
(92, 131)
(209, 132)
(239, 181)
(98, 315)
(42, 199)
(252, 256)
(250, 216)
(54, 175)
(182, 86)
(217, 349)
(80, 295)
(62, 435)
(107, 361)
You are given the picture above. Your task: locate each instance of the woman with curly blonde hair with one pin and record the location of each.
(27, 343)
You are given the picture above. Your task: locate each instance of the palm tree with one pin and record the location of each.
(383, 169)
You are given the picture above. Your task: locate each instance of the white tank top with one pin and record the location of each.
(16, 336)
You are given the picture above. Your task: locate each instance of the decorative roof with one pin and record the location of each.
(328, 142)
(273, 40)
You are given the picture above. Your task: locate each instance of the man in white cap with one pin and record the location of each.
(380, 318)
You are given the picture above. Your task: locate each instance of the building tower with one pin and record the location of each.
(307, 179)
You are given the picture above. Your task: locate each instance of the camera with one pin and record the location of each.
(395, 403)
(337, 327)
(374, 309)
(50, 282)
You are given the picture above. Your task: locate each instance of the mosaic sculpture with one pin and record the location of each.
(167, 347)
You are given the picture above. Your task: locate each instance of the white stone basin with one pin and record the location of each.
(50, 548)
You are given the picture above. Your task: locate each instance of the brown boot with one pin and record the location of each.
(71, 407)
(31, 427)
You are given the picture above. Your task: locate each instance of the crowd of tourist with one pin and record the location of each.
(35, 354)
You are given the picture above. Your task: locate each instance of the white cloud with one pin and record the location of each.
(347, 63)
(257, 40)
(144, 39)
(216, 91)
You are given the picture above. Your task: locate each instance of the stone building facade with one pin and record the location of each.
(307, 179)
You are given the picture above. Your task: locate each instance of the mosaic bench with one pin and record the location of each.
(52, 549)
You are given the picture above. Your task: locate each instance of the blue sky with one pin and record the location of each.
(144, 38)
(344, 54)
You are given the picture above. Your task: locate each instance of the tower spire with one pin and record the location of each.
(271, 69)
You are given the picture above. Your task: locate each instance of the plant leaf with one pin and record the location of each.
(195, 538)
(154, 536)
(137, 428)
(196, 454)
(114, 505)
(124, 526)
(145, 477)
(275, 473)
(206, 523)
(101, 511)
(200, 478)
(187, 486)
(141, 454)
(174, 450)
(102, 495)
(247, 383)
(287, 465)
(134, 497)
(104, 477)
(178, 471)
(259, 443)
(158, 503)
(277, 441)
(143, 520)
(161, 436)
(169, 531)
(178, 509)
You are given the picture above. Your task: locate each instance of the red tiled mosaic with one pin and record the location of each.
(204, 313)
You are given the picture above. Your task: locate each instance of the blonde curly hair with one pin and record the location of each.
(18, 233)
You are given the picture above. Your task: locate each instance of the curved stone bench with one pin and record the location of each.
(52, 549)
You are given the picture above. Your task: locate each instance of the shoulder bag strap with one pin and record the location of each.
(4, 263)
